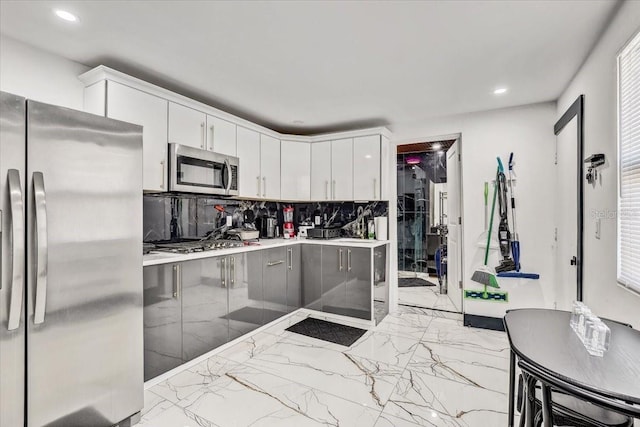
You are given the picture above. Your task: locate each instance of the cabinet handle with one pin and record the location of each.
(232, 275)
(163, 169)
(333, 192)
(264, 189)
(213, 135)
(202, 137)
(348, 259)
(326, 190)
(258, 181)
(375, 189)
(223, 272)
(272, 263)
(290, 258)
(340, 266)
(177, 281)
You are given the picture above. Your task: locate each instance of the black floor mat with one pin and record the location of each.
(408, 282)
(327, 331)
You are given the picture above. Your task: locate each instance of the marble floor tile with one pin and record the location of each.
(407, 323)
(428, 400)
(360, 380)
(426, 296)
(391, 349)
(153, 405)
(473, 368)
(386, 420)
(453, 333)
(176, 417)
(274, 401)
(249, 347)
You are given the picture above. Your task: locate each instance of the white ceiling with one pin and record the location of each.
(333, 65)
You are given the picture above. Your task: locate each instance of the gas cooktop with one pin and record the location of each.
(188, 247)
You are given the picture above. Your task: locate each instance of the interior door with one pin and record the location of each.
(454, 246)
(566, 216)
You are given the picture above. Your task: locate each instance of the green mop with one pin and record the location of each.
(484, 275)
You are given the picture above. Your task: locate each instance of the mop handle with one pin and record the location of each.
(493, 209)
(513, 197)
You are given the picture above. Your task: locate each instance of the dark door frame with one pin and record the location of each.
(577, 110)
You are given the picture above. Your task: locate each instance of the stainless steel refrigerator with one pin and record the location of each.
(71, 346)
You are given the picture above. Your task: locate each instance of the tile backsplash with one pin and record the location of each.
(170, 216)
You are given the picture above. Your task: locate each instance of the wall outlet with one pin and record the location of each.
(598, 223)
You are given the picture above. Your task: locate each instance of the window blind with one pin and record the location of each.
(629, 165)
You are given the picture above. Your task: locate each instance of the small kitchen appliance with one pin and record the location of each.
(192, 170)
(287, 229)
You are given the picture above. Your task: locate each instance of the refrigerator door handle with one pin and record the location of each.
(42, 257)
(17, 249)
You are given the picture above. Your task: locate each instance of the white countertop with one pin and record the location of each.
(156, 258)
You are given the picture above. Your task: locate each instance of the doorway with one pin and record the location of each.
(428, 229)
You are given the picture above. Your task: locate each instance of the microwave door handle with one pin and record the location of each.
(42, 247)
(227, 165)
(17, 249)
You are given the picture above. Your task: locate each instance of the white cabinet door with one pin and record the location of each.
(221, 136)
(150, 112)
(321, 170)
(270, 167)
(295, 170)
(187, 126)
(249, 181)
(342, 169)
(366, 168)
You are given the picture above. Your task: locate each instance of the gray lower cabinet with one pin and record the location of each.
(162, 320)
(204, 307)
(246, 301)
(346, 281)
(311, 269)
(274, 282)
(294, 278)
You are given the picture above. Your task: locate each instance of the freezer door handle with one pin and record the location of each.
(42, 257)
(17, 249)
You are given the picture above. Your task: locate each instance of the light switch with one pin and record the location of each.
(598, 228)
(229, 221)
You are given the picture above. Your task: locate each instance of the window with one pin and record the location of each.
(629, 165)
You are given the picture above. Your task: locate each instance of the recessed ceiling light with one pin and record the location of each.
(500, 91)
(67, 16)
(298, 122)
(436, 146)
(367, 156)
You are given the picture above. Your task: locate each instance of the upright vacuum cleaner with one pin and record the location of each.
(504, 235)
(515, 241)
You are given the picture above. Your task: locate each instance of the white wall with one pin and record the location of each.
(597, 81)
(528, 132)
(38, 75)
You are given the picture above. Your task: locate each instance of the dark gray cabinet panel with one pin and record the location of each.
(246, 301)
(311, 266)
(274, 283)
(334, 280)
(358, 285)
(294, 278)
(162, 320)
(204, 307)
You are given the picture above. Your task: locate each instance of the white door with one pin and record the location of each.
(187, 126)
(566, 215)
(270, 167)
(221, 136)
(366, 168)
(342, 169)
(295, 171)
(249, 182)
(321, 170)
(150, 112)
(454, 246)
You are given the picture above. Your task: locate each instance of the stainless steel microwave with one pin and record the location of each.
(193, 170)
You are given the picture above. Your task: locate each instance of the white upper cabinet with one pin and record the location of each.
(295, 168)
(321, 171)
(342, 169)
(150, 112)
(221, 136)
(249, 181)
(187, 126)
(366, 167)
(270, 167)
